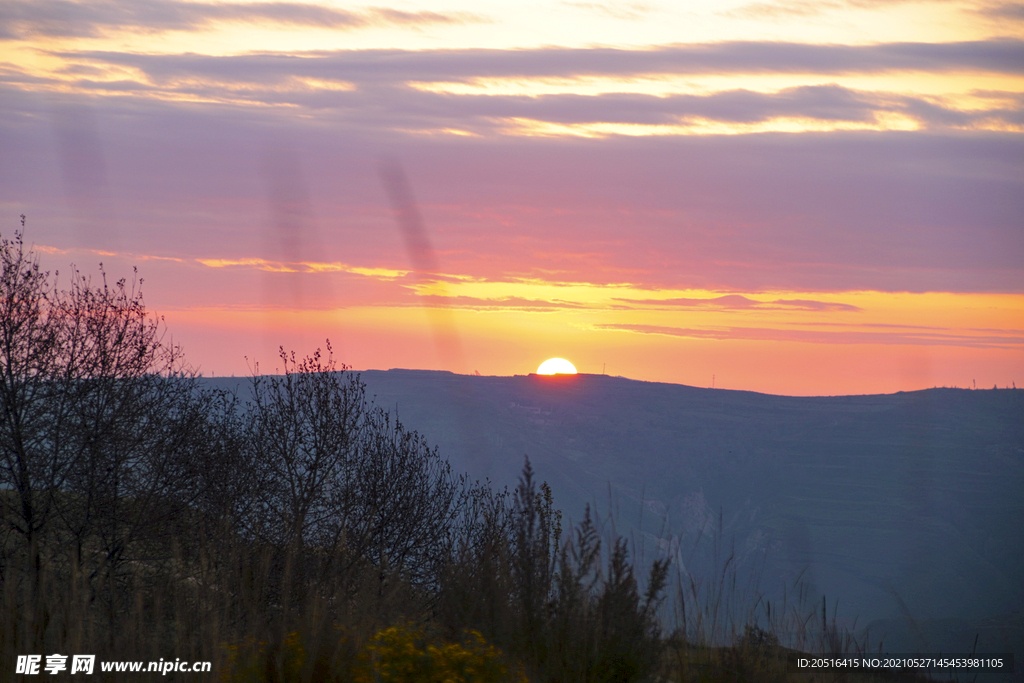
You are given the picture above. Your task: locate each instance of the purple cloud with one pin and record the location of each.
(1010, 340)
(63, 18)
(734, 57)
(734, 302)
(815, 212)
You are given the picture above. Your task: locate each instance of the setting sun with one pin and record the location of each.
(556, 366)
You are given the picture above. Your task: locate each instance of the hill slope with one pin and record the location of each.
(870, 492)
(892, 506)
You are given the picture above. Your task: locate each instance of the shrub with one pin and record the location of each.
(401, 654)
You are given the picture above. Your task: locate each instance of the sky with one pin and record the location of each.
(801, 198)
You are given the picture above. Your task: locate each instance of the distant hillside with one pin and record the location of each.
(896, 506)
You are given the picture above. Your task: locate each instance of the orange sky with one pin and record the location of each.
(794, 198)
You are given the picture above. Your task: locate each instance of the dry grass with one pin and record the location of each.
(262, 614)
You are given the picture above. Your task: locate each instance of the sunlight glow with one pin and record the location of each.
(304, 267)
(556, 366)
(701, 126)
(962, 87)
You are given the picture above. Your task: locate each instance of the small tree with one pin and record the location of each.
(303, 431)
(343, 484)
(537, 532)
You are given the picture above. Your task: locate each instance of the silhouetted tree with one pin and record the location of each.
(99, 419)
(342, 483)
(408, 501)
(36, 411)
(303, 431)
(537, 532)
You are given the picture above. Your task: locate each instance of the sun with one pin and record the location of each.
(556, 366)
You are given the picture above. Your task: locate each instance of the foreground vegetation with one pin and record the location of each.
(306, 535)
